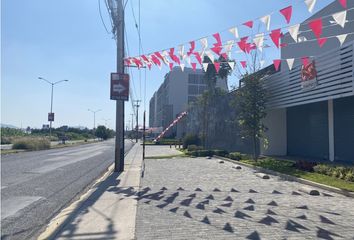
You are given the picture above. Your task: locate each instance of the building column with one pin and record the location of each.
(331, 129)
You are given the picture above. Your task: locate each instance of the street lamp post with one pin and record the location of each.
(51, 103)
(94, 117)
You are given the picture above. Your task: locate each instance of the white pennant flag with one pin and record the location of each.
(234, 31)
(290, 62)
(261, 63)
(210, 55)
(228, 46)
(182, 67)
(181, 54)
(266, 21)
(204, 42)
(205, 66)
(340, 18)
(342, 38)
(302, 39)
(259, 40)
(232, 65)
(165, 54)
(310, 4)
(294, 31)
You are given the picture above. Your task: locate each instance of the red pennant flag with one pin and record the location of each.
(144, 58)
(159, 56)
(343, 3)
(197, 56)
(276, 63)
(322, 41)
(149, 66)
(243, 44)
(137, 62)
(194, 66)
(217, 66)
(244, 64)
(171, 66)
(249, 24)
(216, 49)
(127, 62)
(286, 12)
(316, 27)
(275, 36)
(191, 50)
(224, 55)
(155, 60)
(305, 61)
(218, 39)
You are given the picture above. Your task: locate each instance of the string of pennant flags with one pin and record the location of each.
(245, 44)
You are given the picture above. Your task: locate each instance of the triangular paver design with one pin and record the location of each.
(294, 226)
(162, 205)
(252, 191)
(186, 214)
(250, 200)
(205, 220)
(226, 204)
(272, 203)
(234, 190)
(295, 193)
(163, 189)
(268, 220)
(228, 228)
(302, 217)
(180, 189)
(325, 234)
(219, 210)
(254, 236)
(326, 220)
(216, 190)
(249, 208)
(186, 202)
(211, 197)
(173, 209)
(228, 199)
(302, 207)
(205, 202)
(200, 206)
(192, 195)
(270, 212)
(242, 215)
(276, 192)
(198, 190)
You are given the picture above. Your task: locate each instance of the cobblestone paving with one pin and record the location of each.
(197, 198)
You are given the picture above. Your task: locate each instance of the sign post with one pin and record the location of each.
(119, 86)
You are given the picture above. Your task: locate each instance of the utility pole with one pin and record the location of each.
(117, 14)
(132, 114)
(137, 119)
(94, 116)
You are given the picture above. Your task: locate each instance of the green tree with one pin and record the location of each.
(101, 132)
(251, 108)
(207, 99)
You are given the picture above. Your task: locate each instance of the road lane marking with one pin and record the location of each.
(11, 206)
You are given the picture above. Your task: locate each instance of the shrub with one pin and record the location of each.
(235, 156)
(29, 143)
(190, 139)
(201, 153)
(221, 153)
(341, 172)
(194, 148)
(305, 165)
(350, 176)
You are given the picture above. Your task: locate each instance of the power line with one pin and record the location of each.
(99, 10)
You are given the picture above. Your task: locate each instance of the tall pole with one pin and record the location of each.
(144, 136)
(137, 119)
(51, 110)
(51, 101)
(119, 146)
(94, 117)
(132, 114)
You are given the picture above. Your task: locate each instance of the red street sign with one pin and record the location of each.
(119, 86)
(50, 117)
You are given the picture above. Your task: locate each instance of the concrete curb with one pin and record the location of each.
(67, 214)
(292, 178)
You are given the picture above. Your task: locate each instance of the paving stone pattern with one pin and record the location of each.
(197, 198)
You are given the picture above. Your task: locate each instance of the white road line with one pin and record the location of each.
(11, 206)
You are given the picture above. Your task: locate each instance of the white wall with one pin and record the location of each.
(275, 121)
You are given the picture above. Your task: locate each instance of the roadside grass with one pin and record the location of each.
(31, 143)
(287, 167)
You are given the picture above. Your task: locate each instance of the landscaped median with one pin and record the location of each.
(336, 176)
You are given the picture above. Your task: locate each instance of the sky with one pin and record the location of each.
(66, 39)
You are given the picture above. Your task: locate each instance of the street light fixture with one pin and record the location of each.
(51, 115)
(94, 116)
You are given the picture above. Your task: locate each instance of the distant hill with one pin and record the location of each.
(7, 126)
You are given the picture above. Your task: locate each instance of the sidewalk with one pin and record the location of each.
(198, 198)
(109, 211)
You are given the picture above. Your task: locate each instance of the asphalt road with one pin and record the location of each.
(35, 186)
